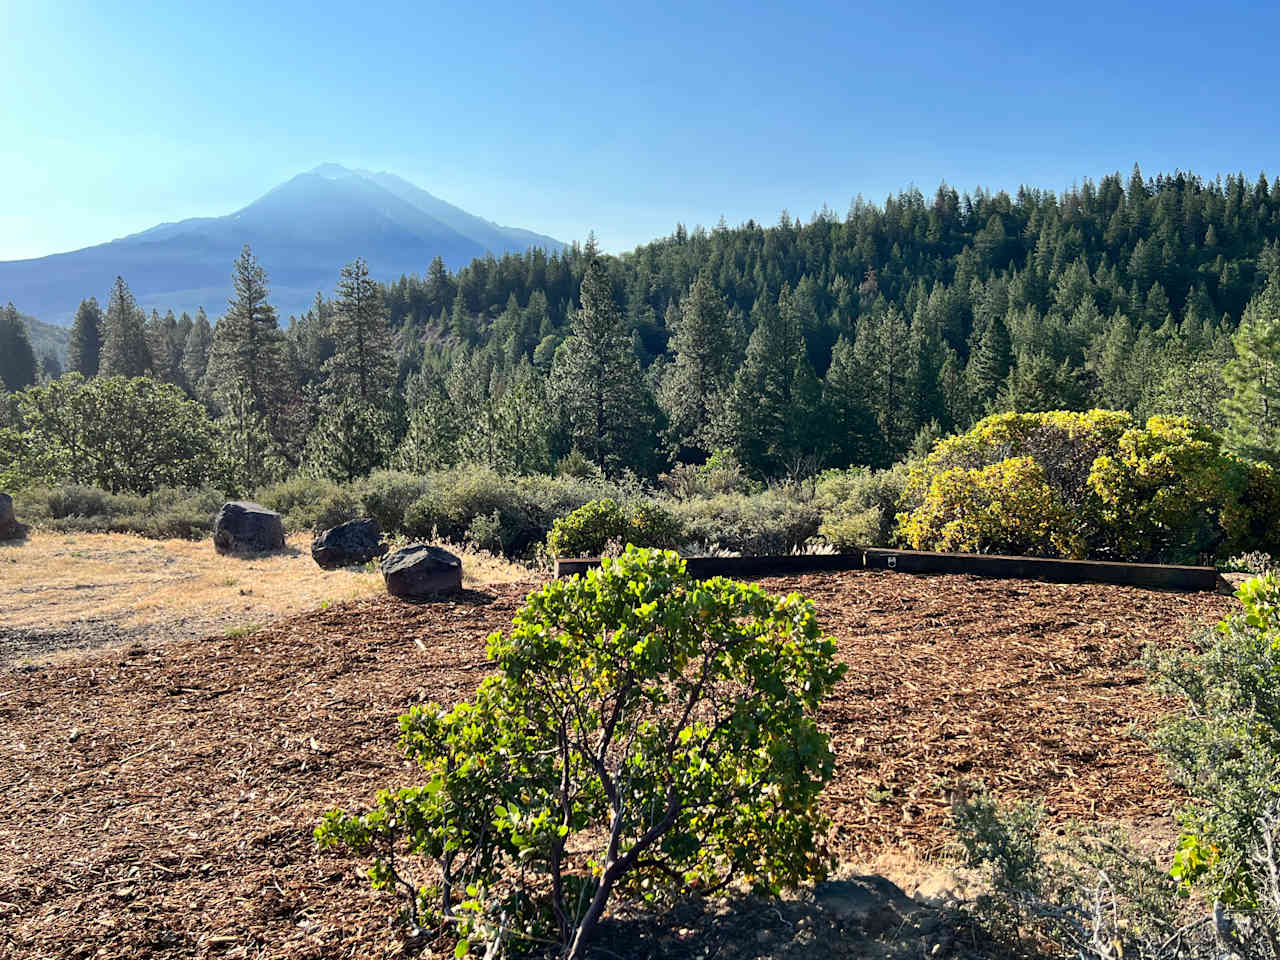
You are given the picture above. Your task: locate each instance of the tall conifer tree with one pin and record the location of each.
(124, 345)
(17, 358)
(85, 349)
(599, 383)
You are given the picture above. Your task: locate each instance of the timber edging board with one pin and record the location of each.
(913, 561)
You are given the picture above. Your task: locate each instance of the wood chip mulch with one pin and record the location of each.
(160, 800)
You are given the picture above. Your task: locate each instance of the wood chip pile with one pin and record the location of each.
(160, 800)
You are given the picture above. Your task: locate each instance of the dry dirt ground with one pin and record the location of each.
(74, 591)
(159, 798)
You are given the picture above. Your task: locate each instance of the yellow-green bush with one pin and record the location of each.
(1005, 507)
(1091, 484)
(1166, 490)
(1064, 444)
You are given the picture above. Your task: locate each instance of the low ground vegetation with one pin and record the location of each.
(1095, 485)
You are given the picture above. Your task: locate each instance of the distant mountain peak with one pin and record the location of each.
(303, 231)
(333, 171)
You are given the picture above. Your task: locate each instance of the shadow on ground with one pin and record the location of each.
(866, 917)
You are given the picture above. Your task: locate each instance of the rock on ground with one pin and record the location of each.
(10, 528)
(420, 570)
(244, 527)
(353, 542)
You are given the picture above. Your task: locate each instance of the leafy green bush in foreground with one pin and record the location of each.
(645, 733)
(1223, 747)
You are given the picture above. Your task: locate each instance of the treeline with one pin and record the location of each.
(797, 346)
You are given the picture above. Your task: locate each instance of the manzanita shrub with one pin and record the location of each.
(588, 530)
(644, 733)
(1223, 746)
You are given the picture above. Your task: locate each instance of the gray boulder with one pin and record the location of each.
(419, 570)
(244, 527)
(10, 528)
(353, 542)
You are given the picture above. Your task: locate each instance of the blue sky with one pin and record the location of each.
(618, 118)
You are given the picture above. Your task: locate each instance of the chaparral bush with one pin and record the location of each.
(1007, 507)
(115, 433)
(180, 512)
(859, 506)
(309, 504)
(589, 529)
(1223, 746)
(758, 524)
(386, 495)
(1090, 484)
(645, 733)
(1092, 893)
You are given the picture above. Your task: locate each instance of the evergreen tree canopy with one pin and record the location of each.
(124, 345)
(17, 358)
(85, 349)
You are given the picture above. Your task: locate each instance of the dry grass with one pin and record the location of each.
(56, 582)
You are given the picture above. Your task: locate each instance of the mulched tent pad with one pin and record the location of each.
(160, 799)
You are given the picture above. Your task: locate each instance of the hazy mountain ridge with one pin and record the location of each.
(302, 231)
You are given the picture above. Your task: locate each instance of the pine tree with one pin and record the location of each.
(17, 358)
(758, 420)
(461, 323)
(85, 349)
(124, 343)
(599, 384)
(988, 365)
(250, 377)
(166, 352)
(1252, 407)
(248, 354)
(362, 364)
(882, 351)
(195, 353)
(855, 435)
(695, 389)
(352, 439)
(50, 367)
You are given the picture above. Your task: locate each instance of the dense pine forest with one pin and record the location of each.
(794, 347)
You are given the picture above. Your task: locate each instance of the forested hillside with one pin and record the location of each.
(797, 346)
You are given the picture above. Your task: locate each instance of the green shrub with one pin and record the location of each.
(1089, 893)
(1164, 491)
(386, 496)
(550, 498)
(860, 506)
(644, 733)
(592, 527)
(722, 473)
(166, 512)
(115, 433)
(1223, 747)
(458, 496)
(309, 504)
(586, 531)
(765, 523)
(1007, 507)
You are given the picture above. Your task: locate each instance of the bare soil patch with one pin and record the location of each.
(159, 799)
